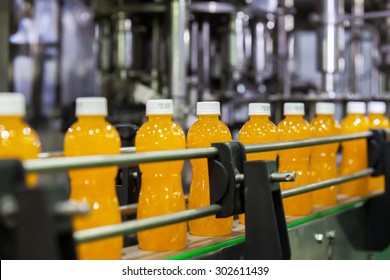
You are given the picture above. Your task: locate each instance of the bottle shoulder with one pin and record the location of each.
(261, 131)
(324, 127)
(208, 128)
(378, 122)
(354, 123)
(160, 136)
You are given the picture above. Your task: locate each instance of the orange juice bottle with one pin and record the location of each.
(17, 138)
(206, 130)
(258, 129)
(295, 127)
(377, 120)
(323, 157)
(354, 153)
(161, 185)
(93, 135)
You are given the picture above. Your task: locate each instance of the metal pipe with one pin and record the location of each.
(130, 209)
(143, 224)
(255, 148)
(5, 8)
(62, 164)
(366, 15)
(124, 150)
(72, 208)
(177, 83)
(328, 43)
(283, 177)
(327, 183)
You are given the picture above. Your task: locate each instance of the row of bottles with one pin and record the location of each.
(161, 189)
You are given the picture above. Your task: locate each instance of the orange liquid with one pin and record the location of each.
(161, 185)
(259, 129)
(295, 128)
(18, 140)
(354, 155)
(323, 159)
(377, 121)
(207, 130)
(92, 135)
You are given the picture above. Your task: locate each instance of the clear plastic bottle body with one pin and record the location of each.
(161, 185)
(19, 140)
(207, 130)
(295, 127)
(92, 135)
(354, 155)
(323, 164)
(258, 129)
(377, 121)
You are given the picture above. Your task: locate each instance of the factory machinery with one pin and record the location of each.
(235, 52)
(36, 223)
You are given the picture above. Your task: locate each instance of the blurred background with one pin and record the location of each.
(237, 52)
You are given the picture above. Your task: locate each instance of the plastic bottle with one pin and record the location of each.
(93, 135)
(354, 153)
(206, 130)
(295, 127)
(323, 157)
(161, 185)
(377, 120)
(258, 129)
(17, 138)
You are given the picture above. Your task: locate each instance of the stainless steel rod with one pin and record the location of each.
(124, 150)
(130, 209)
(367, 15)
(326, 183)
(132, 159)
(304, 143)
(137, 225)
(65, 163)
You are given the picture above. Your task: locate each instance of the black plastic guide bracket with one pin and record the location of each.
(378, 208)
(225, 190)
(128, 185)
(30, 226)
(266, 234)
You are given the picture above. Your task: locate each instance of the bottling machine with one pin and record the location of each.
(236, 52)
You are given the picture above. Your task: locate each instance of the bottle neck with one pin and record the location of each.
(325, 116)
(10, 119)
(356, 115)
(259, 117)
(376, 115)
(159, 117)
(93, 118)
(208, 117)
(294, 117)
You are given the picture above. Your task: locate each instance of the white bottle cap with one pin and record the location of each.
(91, 106)
(376, 107)
(260, 109)
(294, 108)
(354, 107)
(208, 108)
(325, 108)
(159, 107)
(12, 104)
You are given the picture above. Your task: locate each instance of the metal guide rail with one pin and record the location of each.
(248, 176)
(61, 164)
(131, 159)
